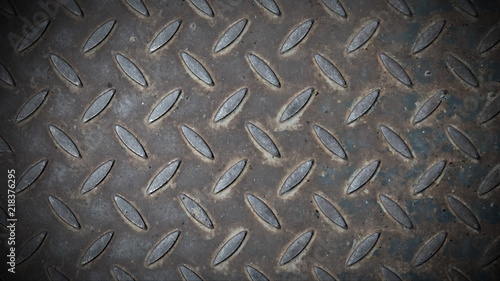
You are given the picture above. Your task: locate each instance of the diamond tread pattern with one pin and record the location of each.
(251, 140)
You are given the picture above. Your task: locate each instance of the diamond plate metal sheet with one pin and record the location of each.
(251, 140)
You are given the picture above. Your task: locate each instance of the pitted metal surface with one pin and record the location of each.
(251, 140)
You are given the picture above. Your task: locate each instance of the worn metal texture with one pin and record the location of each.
(251, 140)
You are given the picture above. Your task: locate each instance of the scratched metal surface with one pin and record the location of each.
(235, 140)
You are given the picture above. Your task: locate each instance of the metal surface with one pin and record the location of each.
(235, 140)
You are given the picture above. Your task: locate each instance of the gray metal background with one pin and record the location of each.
(463, 61)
